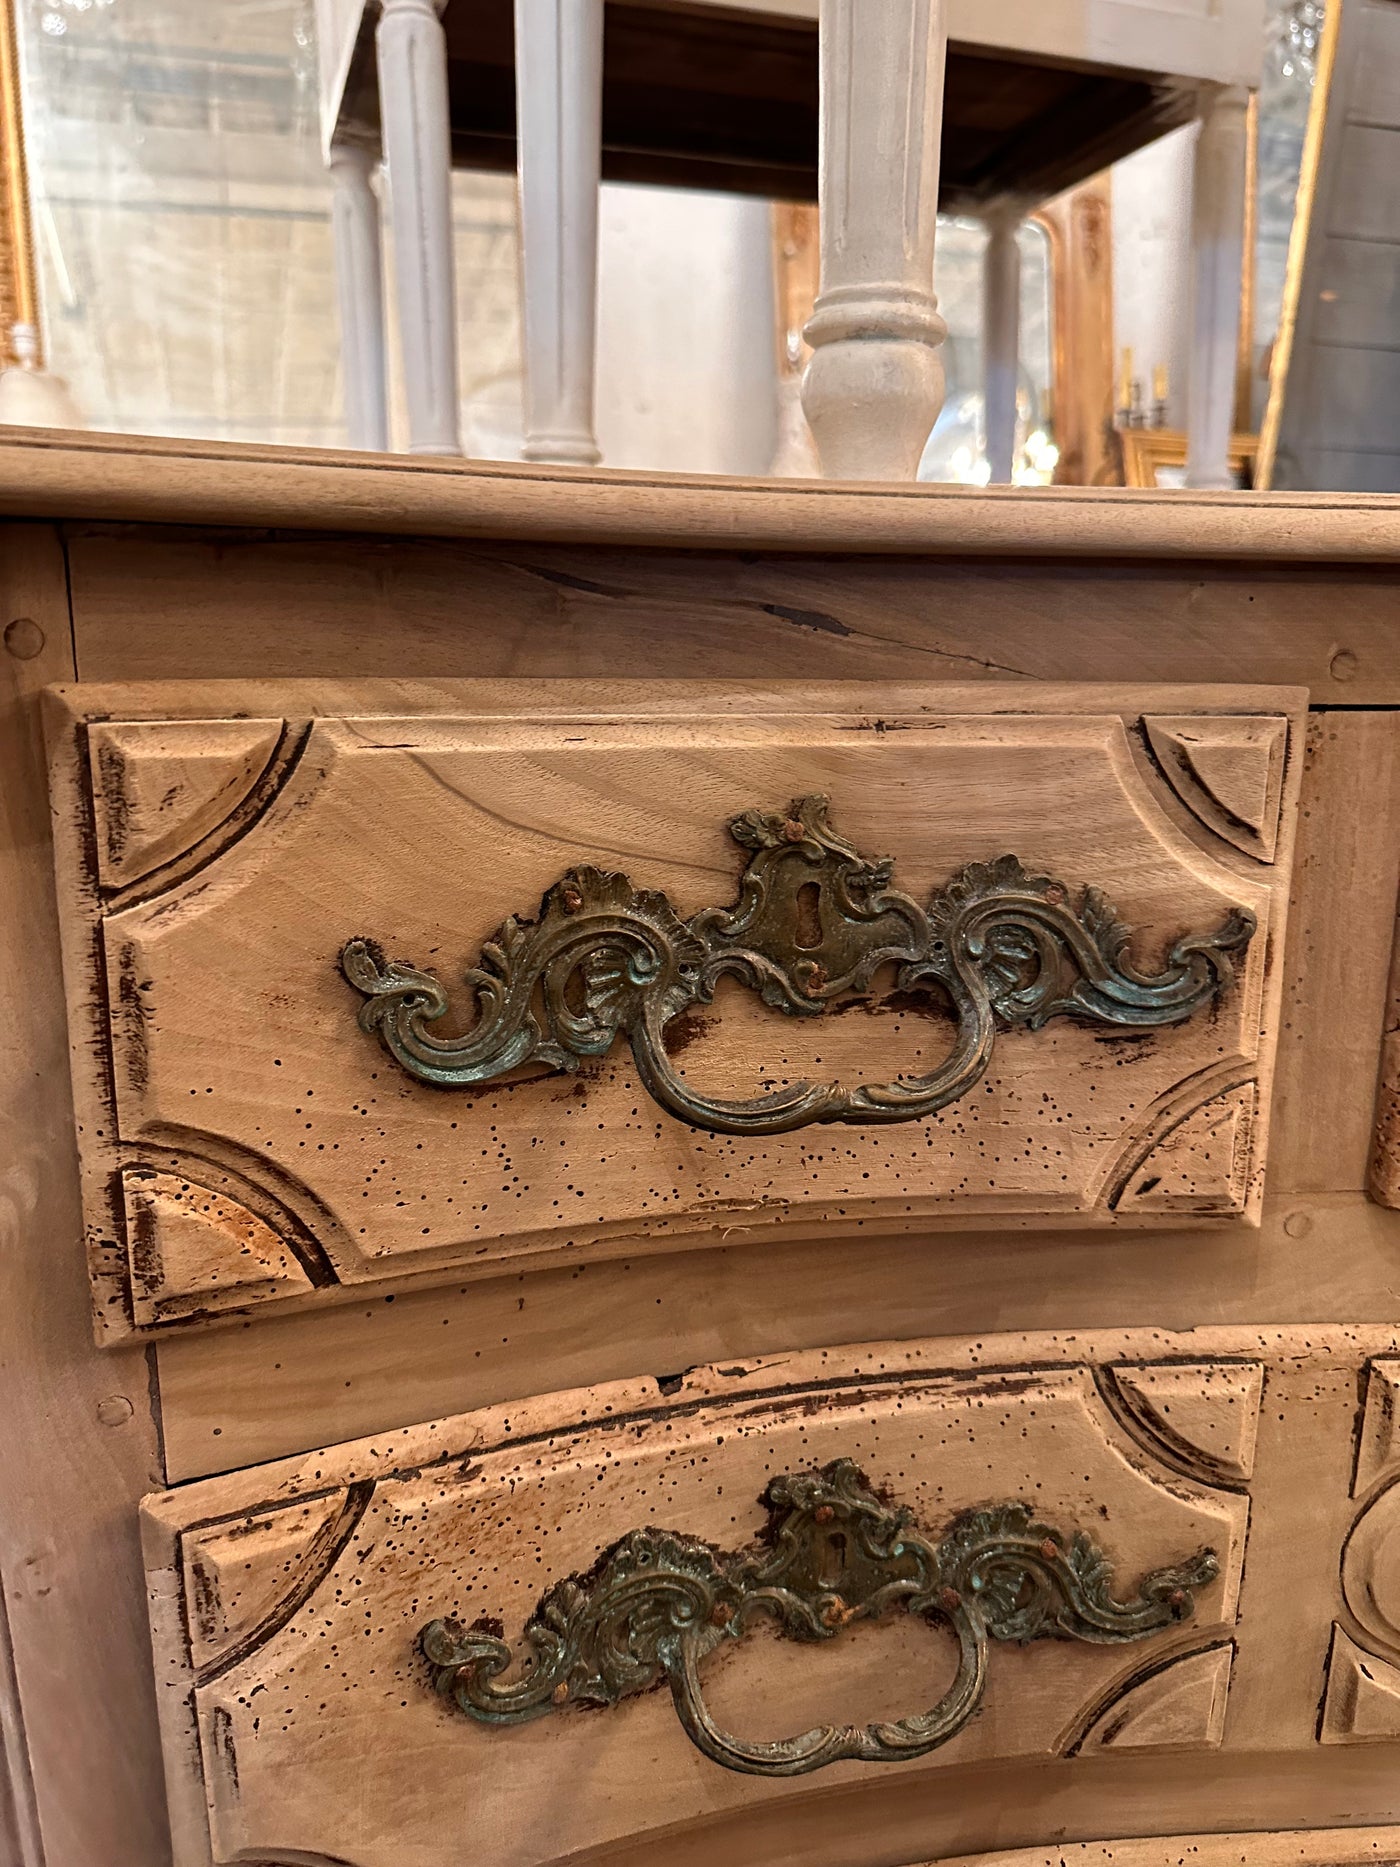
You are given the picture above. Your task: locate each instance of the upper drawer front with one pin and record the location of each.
(406, 992)
(541, 1630)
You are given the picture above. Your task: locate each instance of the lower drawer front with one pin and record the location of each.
(594, 1616)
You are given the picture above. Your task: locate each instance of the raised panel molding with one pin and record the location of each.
(1362, 1701)
(1181, 1706)
(1378, 1442)
(1227, 771)
(1202, 1164)
(238, 1575)
(1371, 1570)
(1205, 1414)
(1361, 1697)
(198, 1252)
(289, 1602)
(232, 1027)
(159, 790)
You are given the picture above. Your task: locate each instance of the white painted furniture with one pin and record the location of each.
(418, 157)
(559, 114)
(359, 283)
(874, 384)
(1001, 321)
(1217, 255)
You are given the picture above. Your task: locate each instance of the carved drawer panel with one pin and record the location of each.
(686, 1599)
(358, 1647)
(433, 985)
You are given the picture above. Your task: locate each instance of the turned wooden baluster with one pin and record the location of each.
(1001, 338)
(360, 295)
(559, 116)
(874, 385)
(1217, 255)
(418, 154)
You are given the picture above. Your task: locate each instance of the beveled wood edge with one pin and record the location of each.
(1292, 1847)
(557, 698)
(564, 1411)
(58, 474)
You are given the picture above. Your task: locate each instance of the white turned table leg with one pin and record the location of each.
(874, 385)
(1217, 251)
(1001, 339)
(418, 155)
(559, 127)
(360, 291)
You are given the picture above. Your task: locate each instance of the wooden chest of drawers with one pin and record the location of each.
(725, 1177)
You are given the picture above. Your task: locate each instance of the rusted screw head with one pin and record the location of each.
(571, 898)
(560, 1694)
(793, 831)
(1049, 1549)
(1176, 1600)
(823, 1514)
(1054, 894)
(721, 1614)
(949, 1598)
(835, 1613)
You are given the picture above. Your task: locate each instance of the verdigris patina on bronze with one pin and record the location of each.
(658, 1603)
(814, 922)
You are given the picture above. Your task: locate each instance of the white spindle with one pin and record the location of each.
(418, 154)
(1217, 250)
(874, 385)
(360, 291)
(559, 125)
(1001, 339)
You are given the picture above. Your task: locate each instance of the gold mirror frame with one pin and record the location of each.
(19, 300)
(1147, 450)
(1298, 246)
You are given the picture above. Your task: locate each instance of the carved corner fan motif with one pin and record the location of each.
(658, 1603)
(814, 923)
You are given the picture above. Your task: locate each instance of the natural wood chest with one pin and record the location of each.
(665, 1298)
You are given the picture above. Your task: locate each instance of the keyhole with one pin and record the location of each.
(809, 919)
(834, 1565)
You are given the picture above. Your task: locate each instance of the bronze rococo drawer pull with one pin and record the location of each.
(813, 924)
(658, 1603)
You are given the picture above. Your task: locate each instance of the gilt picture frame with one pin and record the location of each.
(1156, 457)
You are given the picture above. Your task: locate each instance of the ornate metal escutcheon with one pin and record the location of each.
(814, 923)
(658, 1603)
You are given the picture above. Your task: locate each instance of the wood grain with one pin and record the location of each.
(1384, 1178)
(278, 1385)
(1338, 959)
(478, 1514)
(80, 1442)
(49, 474)
(890, 585)
(176, 605)
(20, 1842)
(382, 1176)
(897, 1820)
